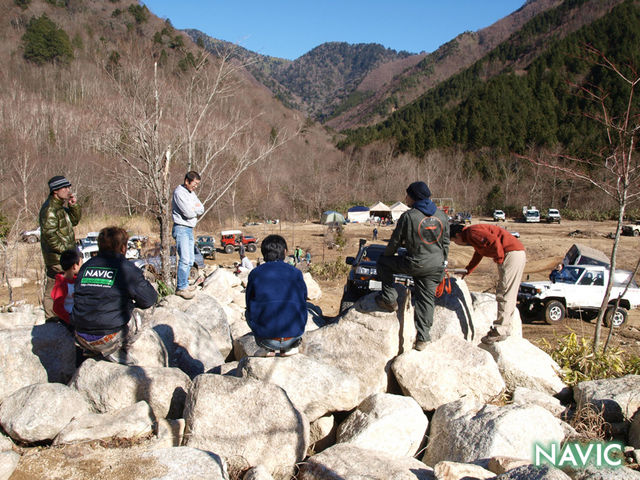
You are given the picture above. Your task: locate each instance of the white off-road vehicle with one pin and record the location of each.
(579, 288)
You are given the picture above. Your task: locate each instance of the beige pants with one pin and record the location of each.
(47, 301)
(509, 277)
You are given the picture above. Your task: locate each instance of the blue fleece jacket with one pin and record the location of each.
(276, 301)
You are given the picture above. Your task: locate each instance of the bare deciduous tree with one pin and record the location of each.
(616, 170)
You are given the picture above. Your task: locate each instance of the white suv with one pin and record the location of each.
(499, 216)
(553, 215)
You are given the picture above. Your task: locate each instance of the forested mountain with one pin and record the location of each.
(508, 101)
(322, 82)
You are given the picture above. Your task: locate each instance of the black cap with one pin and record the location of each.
(58, 182)
(418, 191)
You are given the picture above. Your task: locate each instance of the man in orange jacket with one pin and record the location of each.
(508, 253)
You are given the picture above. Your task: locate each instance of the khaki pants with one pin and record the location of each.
(509, 277)
(47, 301)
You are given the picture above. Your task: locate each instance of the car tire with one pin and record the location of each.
(251, 247)
(636, 233)
(347, 300)
(229, 249)
(619, 317)
(554, 312)
(32, 239)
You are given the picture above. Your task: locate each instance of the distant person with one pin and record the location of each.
(559, 273)
(241, 249)
(307, 257)
(508, 253)
(107, 290)
(276, 298)
(375, 234)
(62, 292)
(297, 254)
(56, 232)
(186, 208)
(245, 264)
(424, 232)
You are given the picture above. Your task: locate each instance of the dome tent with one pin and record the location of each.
(331, 216)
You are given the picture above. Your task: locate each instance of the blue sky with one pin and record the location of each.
(290, 28)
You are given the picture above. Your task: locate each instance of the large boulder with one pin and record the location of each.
(526, 396)
(208, 312)
(522, 364)
(246, 421)
(190, 346)
(322, 433)
(8, 463)
(531, 472)
(313, 289)
(127, 423)
(140, 463)
(5, 443)
(617, 398)
(21, 316)
(485, 308)
(465, 431)
(38, 412)
(28, 355)
(148, 350)
(448, 369)
(348, 462)
(362, 344)
(388, 423)
(314, 388)
(111, 386)
(220, 285)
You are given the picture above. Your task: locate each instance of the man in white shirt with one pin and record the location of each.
(186, 208)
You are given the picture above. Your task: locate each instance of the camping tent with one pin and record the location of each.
(358, 214)
(398, 209)
(380, 210)
(331, 216)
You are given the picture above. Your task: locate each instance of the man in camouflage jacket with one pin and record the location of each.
(56, 231)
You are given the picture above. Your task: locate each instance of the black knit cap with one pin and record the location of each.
(58, 182)
(418, 191)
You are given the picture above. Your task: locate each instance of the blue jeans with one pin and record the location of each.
(186, 256)
(273, 344)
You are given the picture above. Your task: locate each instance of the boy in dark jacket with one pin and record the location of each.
(107, 290)
(276, 301)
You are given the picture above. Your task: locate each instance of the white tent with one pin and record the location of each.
(380, 210)
(398, 209)
(358, 214)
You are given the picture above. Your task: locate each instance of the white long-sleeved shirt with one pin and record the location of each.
(185, 207)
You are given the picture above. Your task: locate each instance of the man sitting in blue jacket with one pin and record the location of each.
(107, 289)
(276, 301)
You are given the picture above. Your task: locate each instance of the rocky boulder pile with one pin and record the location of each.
(356, 402)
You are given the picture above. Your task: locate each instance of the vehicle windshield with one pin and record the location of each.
(533, 214)
(569, 274)
(371, 253)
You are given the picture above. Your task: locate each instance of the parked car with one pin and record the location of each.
(153, 264)
(30, 236)
(553, 215)
(88, 251)
(579, 288)
(531, 214)
(230, 241)
(631, 229)
(499, 216)
(363, 276)
(207, 245)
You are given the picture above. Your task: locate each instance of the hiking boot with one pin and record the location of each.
(421, 345)
(185, 293)
(493, 336)
(387, 307)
